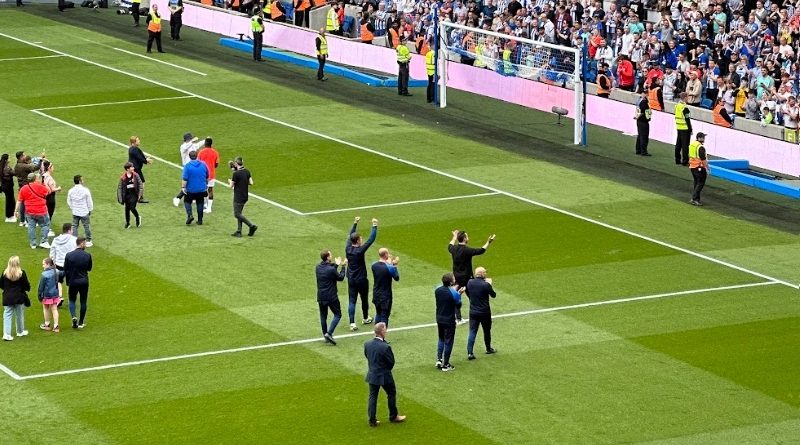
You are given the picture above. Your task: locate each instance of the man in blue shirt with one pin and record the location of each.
(357, 281)
(328, 294)
(448, 297)
(383, 272)
(195, 187)
(479, 289)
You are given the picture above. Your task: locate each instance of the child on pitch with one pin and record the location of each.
(49, 295)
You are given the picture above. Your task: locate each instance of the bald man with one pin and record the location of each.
(380, 360)
(479, 290)
(383, 272)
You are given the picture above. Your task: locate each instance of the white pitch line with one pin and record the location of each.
(161, 61)
(396, 204)
(115, 142)
(9, 372)
(121, 102)
(13, 59)
(365, 333)
(422, 167)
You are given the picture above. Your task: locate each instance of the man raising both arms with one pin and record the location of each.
(210, 156)
(357, 281)
(462, 260)
(190, 143)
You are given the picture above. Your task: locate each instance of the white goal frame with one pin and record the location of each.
(579, 116)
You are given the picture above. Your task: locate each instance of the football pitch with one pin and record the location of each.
(622, 316)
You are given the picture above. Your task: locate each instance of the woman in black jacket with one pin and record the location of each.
(15, 285)
(7, 185)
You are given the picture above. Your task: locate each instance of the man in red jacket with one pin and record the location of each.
(33, 195)
(625, 73)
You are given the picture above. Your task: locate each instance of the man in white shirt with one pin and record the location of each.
(190, 143)
(790, 117)
(79, 200)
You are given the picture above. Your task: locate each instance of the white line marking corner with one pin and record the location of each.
(397, 204)
(9, 372)
(161, 61)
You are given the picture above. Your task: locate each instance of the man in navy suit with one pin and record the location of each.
(479, 290)
(383, 272)
(381, 361)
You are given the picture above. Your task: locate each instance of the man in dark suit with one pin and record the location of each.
(383, 272)
(380, 360)
(327, 292)
(479, 289)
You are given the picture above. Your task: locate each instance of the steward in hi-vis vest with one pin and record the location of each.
(698, 164)
(322, 54)
(257, 27)
(154, 29)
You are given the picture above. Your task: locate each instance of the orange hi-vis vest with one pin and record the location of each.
(717, 115)
(304, 4)
(275, 12)
(366, 35)
(600, 89)
(652, 99)
(318, 3)
(394, 38)
(422, 45)
(694, 155)
(155, 23)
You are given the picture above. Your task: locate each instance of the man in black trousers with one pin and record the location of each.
(77, 265)
(642, 116)
(357, 281)
(462, 260)
(321, 43)
(257, 26)
(448, 297)
(380, 360)
(138, 159)
(328, 294)
(479, 289)
(383, 272)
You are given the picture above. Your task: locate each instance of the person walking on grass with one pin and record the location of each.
(479, 289)
(190, 143)
(50, 295)
(380, 362)
(240, 182)
(129, 193)
(61, 246)
(77, 266)
(462, 255)
(79, 200)
(448, 297)
(327, 292)
(698, 165)
(383, 272)
(195, 186)
(357, 281)
(209, 156)
(137, 158)
(16, 286)
(33, 196)
(7, 186)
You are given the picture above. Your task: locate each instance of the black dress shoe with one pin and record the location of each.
(189, 220)
(236, 234)
(143, 201)
(491, 351)
(646, 154)
(252, 230)
(407, 94)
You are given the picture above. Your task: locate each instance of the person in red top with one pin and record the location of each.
(33, 196)
(625, 73)
(210, 156)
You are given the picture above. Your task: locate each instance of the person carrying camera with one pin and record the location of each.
(240, 182)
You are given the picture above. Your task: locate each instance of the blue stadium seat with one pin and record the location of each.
(706, 103)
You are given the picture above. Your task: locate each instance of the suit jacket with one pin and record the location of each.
(380, 360)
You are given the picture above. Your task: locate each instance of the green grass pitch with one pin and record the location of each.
(605, 335)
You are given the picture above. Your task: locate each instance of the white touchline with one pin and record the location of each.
(121, 102)
(115, 142)
(161, 61)
(13, 59)
(423, 167)
(395, 204)
(9, 372)
(365, 333)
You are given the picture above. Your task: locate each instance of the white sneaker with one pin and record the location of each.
(367, 320)
(353, 327)
(8, 338)
(33, 246)
(51, 234)
(176, 201)
(89, 244)
(460, 322)
(13, 219)
(23, 224)
(22, 334)
(44, 245)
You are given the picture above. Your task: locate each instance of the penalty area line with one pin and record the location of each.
(397, 204)
(14, 59)
(9, 372)
(170, 163)
(366, 333)
(161, 61)
(121, 102)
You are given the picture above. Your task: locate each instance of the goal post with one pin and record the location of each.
(511, 56)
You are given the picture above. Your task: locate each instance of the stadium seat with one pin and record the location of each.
(706, 103)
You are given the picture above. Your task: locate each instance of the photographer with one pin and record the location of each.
(240, 182)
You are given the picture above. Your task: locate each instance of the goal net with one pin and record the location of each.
(553, 71)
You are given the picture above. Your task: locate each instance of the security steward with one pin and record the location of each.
(332, 20)
(154, 28)
(135, 7)
(367, 31)
(277, 12)
(698, 164)
(603, 82)
(684, 126)
(257, 26)
(643, 114)
(430, 67)
(322, 54)
(175, 18)
(403, 59)
(302, 12)
(656, 97)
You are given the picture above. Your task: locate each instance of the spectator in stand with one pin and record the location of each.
(603, 82)
(720, 116)
(694, 89)
(625, 73)
(790, 117)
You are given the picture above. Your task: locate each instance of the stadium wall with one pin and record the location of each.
(763, 152)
